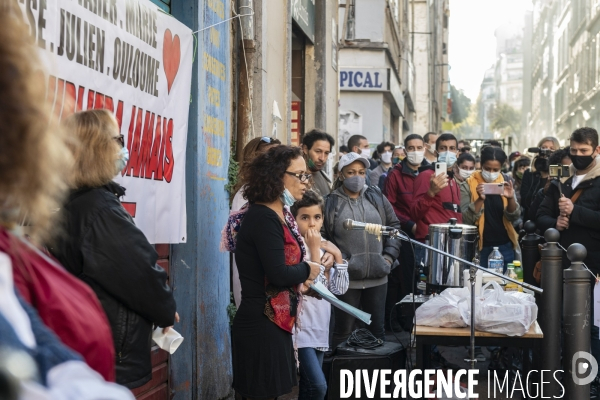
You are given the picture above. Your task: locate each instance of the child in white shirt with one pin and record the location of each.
(312, 338)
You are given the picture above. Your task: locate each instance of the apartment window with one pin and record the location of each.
(563, 52)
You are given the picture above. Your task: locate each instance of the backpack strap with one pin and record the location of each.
(375, 197)
(576, 195)
(331, 215)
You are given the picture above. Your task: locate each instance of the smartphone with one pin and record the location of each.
(559, 171)
(493, 188)
(441, 168)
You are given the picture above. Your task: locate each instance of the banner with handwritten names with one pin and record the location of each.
(130, 57)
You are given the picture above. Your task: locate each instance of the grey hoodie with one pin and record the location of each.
(366, 255)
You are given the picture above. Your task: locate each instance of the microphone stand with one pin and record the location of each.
(397, 234)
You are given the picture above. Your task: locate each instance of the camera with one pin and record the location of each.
(542, 152)
(559, 171)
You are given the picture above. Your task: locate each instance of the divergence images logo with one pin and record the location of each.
(584, 367)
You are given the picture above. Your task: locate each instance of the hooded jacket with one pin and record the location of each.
(584, 222)
(399, 189)
(103, 247)
(426, 210)
(369, 259)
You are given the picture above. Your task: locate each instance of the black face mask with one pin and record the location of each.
(581, 162)
(541, 164)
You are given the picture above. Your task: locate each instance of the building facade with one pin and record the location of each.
(565, 75)
(487, 102)
(541, 33)
(290, 50)
(502, 86)
(429, 40)
(372, 39)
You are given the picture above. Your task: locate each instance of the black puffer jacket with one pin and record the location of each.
(584, 223)
(102, 246)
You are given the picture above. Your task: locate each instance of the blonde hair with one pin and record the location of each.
(96, 155)
(34, 158)
(549, 139)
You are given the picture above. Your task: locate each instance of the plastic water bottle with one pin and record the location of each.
(511, 287)
(519, 271)
(496, 261)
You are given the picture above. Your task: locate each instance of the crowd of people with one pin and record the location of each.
(81, 293)
(290, 234)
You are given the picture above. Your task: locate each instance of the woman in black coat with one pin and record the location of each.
(102, 246)
(269, 254)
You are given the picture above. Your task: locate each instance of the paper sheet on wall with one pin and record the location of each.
(329, 297)
(597, 304)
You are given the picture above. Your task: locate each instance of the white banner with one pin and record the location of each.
(133, 59)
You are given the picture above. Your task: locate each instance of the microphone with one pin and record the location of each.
(351, 225)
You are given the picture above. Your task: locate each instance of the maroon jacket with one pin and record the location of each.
(426, 210)
(399, 191)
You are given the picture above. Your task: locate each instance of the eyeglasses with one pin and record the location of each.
(266, 139)
(120, 139)
(302, 177)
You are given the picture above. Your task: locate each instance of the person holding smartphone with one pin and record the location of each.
(488, 201)
(436, 192)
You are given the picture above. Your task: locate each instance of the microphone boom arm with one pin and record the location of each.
(397, 234)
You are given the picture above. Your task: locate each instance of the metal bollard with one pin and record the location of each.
(576, 323)
(550, 308)
(531, 253)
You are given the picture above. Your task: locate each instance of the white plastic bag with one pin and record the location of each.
(497, 311)
(442, 311)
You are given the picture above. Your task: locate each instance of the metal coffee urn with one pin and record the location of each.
(456, 239)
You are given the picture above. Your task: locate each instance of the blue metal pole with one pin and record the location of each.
(201, 368)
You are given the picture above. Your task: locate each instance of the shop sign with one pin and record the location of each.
(303, 13)
(364, 79)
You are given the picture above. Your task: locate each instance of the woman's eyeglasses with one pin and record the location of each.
(266, 139)
(120, 139)
(302, 177)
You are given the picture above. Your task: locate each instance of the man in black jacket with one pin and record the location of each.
(579, 221)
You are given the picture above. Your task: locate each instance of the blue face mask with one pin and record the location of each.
(287, 198)
(123, 158)
(448, 157)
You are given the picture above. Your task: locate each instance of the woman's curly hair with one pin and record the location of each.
(251, 150)
(34, 157)
(263, 176)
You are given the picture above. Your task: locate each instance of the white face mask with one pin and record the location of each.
(415, 157)
(386, 157)
(365, 152)
(465, 174)
(489, 176)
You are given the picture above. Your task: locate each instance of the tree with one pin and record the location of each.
(461, 105)
(505, 117)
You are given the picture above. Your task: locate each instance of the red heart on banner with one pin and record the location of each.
(171, 57)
